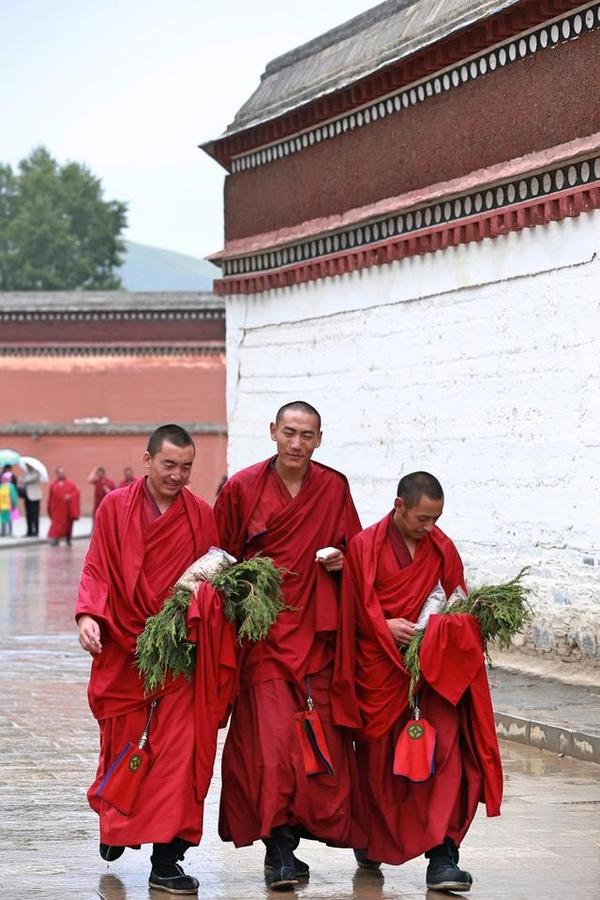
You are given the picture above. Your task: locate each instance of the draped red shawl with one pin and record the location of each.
(291, 530)
(370, 687)
(127, 574)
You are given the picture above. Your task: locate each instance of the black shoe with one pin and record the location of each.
(173, 880)
(110, 852)
(364, 862)
(301, 869)
(443, 873)
(282, 874)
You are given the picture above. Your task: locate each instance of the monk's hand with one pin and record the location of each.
(332, 562)
(402, 631)
(89, 635)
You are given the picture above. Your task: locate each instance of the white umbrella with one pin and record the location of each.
(9, 457)
(36, 464)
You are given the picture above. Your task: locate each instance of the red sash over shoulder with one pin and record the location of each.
(370, 688)
(128, 572)
(254, 515)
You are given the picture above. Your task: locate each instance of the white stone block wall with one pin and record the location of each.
(480, 364)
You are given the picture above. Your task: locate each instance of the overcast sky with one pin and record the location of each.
(131, 87)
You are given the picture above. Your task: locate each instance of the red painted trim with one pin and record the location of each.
(540, 211)
(473, 39)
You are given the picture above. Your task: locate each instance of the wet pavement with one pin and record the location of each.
(545, 845)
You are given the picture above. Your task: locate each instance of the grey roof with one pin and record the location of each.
(101, 301)
(382, 35)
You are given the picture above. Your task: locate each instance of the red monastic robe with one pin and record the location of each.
(264, 780)
(370, 693)
(132, 563)
(63, 508)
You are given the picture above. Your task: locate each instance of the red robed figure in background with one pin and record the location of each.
(265, 785)
(382, 582)
(63, 506)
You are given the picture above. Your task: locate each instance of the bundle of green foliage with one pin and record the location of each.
(502, 611)
(57, 233)
(252, 599)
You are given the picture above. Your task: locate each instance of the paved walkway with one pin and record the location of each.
(545, 845)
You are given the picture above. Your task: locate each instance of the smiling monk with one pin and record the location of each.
(145, 536)
(391, 569)
(288, 508)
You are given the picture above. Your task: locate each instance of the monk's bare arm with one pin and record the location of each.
(402, 631)
(89, 634)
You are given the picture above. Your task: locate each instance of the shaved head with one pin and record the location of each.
(174, 434)
(412, 487)
(299, 406)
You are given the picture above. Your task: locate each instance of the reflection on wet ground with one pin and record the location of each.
(545, 845)
(37, 588)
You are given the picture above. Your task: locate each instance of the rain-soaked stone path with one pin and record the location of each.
(545, 845)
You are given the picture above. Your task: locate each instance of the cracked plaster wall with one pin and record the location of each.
(480, 364)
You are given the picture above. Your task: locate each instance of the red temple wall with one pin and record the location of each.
(127, 390)
(544, 100)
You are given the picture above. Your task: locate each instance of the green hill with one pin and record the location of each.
(152, 269)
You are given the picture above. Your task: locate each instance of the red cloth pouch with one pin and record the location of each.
(315, 752)
(413, 756)
(121, 784)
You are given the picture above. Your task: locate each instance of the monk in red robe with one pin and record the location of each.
(288, 508)
(391, 569)
(103, 485)
(63, 507)
(145, 536)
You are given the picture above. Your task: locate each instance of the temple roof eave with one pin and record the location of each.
(300, 77)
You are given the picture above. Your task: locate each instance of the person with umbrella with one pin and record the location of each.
(63, 507)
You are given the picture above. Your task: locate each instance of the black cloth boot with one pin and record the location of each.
(166, 874)
(281, 873)
(443, 873)
(364, 862)
(110, 852)
(302, 869)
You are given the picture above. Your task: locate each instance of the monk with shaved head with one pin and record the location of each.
(287, 771)
(391, 570)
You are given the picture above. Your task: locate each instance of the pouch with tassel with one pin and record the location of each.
(121, 784)
(415, 748)
(315, 752)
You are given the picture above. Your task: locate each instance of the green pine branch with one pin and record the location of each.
(252, 599)
(502, 611)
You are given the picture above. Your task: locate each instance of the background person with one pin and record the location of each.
(9, 504)
(63, 507)
(128, 477)
(102, 486)
(32, 495)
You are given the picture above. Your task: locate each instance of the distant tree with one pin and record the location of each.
(56, 230)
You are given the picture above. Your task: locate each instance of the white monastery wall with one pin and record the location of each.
(480, 364)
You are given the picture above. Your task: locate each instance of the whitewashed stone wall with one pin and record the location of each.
(480, 364)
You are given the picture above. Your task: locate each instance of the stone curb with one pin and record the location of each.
(11, 543)
(576, 744)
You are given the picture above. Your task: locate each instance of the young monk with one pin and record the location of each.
(145, 536)
(288, 508)
(391, 569)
